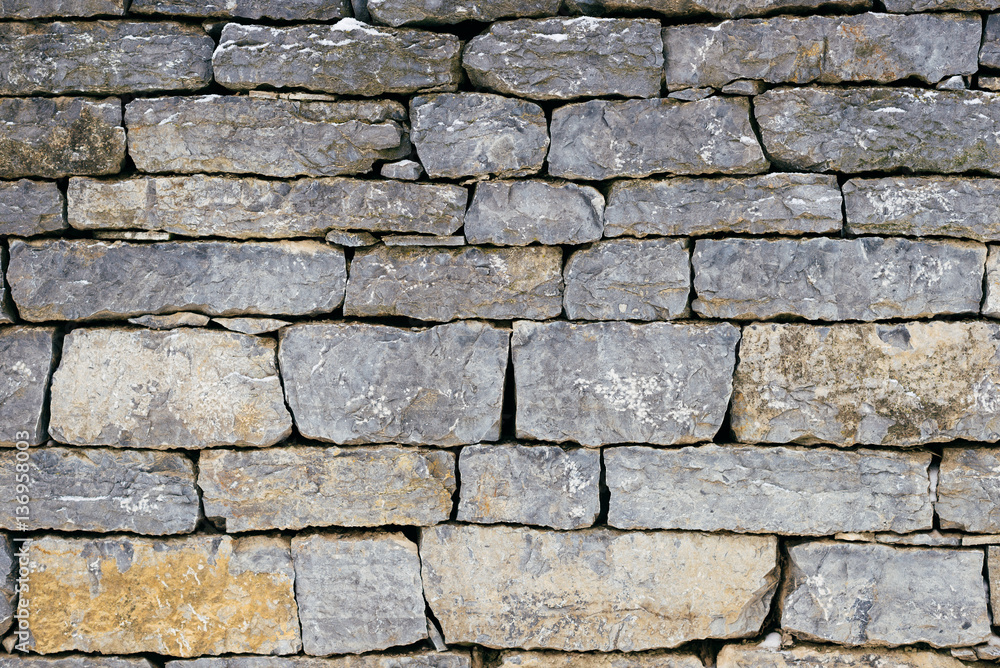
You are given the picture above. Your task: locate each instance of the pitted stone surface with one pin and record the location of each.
(35, 9)
(418, 659)
(723, 8)
(437, 12)
(819, 656)
(517, 213)
(287, 10)
(30, 207)
(27, 359)
(968, 490)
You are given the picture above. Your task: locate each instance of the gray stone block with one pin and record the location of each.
(36, 9)
(284, 10)
(438, 12)
(517, 213)
(27, 360)
(28, 208)
(723, 8)
(968, 490)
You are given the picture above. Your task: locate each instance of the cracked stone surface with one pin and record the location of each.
(968, 490)
(30, 207)
(27, 359)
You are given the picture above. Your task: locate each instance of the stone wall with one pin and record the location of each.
(499, 333)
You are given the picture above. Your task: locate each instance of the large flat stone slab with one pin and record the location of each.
(182, 388)
(284, 10)
(722, 8)
(27, 359)
(443, 12)
(968, 491)
(28, 208)
(603, 139)
(35, 9)
(62, 279)
(517, 213)
(442, 284)
(826, 656)
(605, 590)
(615, 382)
(437, 386)
(272, 137)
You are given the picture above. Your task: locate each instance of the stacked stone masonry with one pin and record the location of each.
(499, 333)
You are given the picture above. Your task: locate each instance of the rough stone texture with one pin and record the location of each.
(602, 139)
(595, 589)
(422, 240)
(825, 49)
(34, 9)
(273, 137)
(544, 659)
(991, 302)
(394, 660)
(7, 312)
(56, 137)
(348, 57)
(537, 484)
(437, 386)
(989, 54)
(615, 382)
(182, 596)
(924, 206)
(880, 129)
(358, 592)
(252, 326)
(301, 486)
(437, 12)
(913, 6)
(132, 235)
(350, 239)
(442, 284)
(72, 661)
(286, 10)
(517, 213)
(30, 207)
(103, 57)
(27, 359)
(245, 208)
(818, 656)
(723, 8)
(476, 134)
(836, 279)
(628, 279)
(171, 321)
(768, 204)
(566, 58)
(793, 491)
(867, 594)
(404, 170)
(92, 489)
(79, 279)
(867, 383)
(993, 567)
(182, 388)
(8, 581)
(968, 491)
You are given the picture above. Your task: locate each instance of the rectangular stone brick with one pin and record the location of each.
(825, 656)
(394, 660)
(80, 279)
(603, 139)
(595, 589)
(442, 284)
(62, 136)
(867, 594)
(27, 360)
(356, 383)
(655, 659)
(723, 8)
(438, 12)
(968, 490)
(28, 208)
(284, 10)
(615, 382)
(517, 213)
(899, 384)
(836, 279)
(273, 137)
(36, 9)
(792, 491)
(182, 388)
(302, 486)
(180, 597)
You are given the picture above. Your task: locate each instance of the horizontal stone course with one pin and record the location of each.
(547, 659)
(438, 12)
(28, 356)
(721, 8)
(826, 656)
(417, 659)
(28, 208)
(288, 10)
(36, 9)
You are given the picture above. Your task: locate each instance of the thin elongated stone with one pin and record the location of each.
(28, 208)
(272, 137)
(301, 486)
(872, 129)
(181, 597)
(655, 659)
(286, 10)
(603, 139)
(826, 656)
(57, 137)
(36, 9)
(395, 660)
(793, 491)
(9, 571)
(437, 12)
(443, 284)
(723, 8)
(768, 204)
(27, 359)
(437, 386)
(615, 382)
(628, 279)
(868, 594)
(348, 57)
(991, 303)
(836, 279)
(63, 279)
(92, 489)
(566, 58)
(846, 384)
(609, 590)
(72, 661)
(968, 491)
(989, 54)
(181, 388)
(517, 213)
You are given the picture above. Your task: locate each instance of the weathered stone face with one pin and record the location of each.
(287, 10)
(768, 204)
(348, 57)
(9, 571)
(272, 137)
(302, 486)
(795, 491)
(27, 359)
(836, 279)
(603, 139)
(34, 9)
(566, 58)
(436, 12)
(442, 284)
(514, 659)
(437, 386)
(181, 596)
(628, 279)
(56, 137)
(866, 383)
(394, 660)
(872, 129)
(357, 592)
(968, 491)
(616, 591)
(539, 485)
(476, 134)
(182, 388)
(991, 303)
(30, 207)
(989, 54)
(252, 326)
(867, 594)
(517, 213)
(72, 661)
(723, 8)
(171, 321)
(819, 656)
(615, 382)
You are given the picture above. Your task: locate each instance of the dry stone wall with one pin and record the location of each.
(499, 334)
